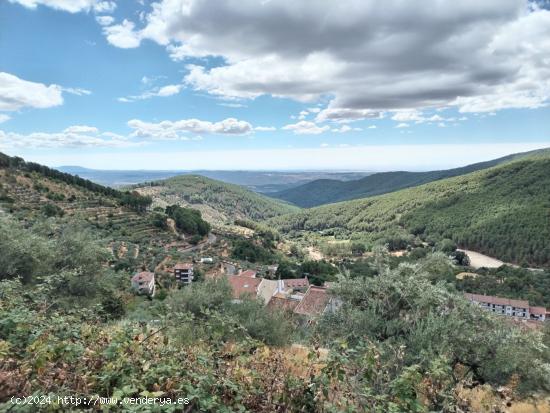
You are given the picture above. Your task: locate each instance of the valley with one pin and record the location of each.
(271, 285)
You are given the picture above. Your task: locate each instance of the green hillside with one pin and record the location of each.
(502, 211)
(326, 191)
(218, 201)
(34, 195)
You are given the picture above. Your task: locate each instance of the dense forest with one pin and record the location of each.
(326, 191)
(219, 200)
(501, 211)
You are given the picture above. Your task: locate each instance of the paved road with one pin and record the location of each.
(209, 241)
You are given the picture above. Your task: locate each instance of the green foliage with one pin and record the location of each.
(159, 220)
(132, 200)
(510, 282)
(327, 191)
(318, 272)
(501, 211)
(226, 202)
(22, 253)
(402, 309)
(248, 250)
(358, 248)
(188, 220)
(52, 210)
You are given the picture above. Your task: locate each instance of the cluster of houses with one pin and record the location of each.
(512, 308)
(293, 295)
(144, 282)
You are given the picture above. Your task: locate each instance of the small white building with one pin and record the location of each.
(144, 283)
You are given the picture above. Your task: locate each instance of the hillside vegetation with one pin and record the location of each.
(33, 193)
(326, 191)
(219, 202)
(502, 211)
(400, 340)
(71, 326)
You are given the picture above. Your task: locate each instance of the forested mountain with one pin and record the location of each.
(70, 324)
(326, 191)
(503, 211)
(218, 201)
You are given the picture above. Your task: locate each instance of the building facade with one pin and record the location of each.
(508, 307)
(144, 283)
(183, 272)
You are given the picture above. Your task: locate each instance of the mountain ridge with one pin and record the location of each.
(502, 211)
(329, 191)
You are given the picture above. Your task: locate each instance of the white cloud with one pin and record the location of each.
(347, 115)
(81, 129)
(232, 105)
(16, 93)
(402, 125)
(372, 127)
(4, 117)
(163, 91)
(265, 128)
(71, 6)
(324, 145)
(169, 90)
(303, 114)
(305, 127)
(346, 128)
(76, 91)
(168, 130)
(122, 35)
(408, 116)
(474, 55)
(71, 137)
(105, 20)
(418, 117)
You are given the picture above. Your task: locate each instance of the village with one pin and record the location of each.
(297, 296)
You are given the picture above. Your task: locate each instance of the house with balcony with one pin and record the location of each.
(183, 272)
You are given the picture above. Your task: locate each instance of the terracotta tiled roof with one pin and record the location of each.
(537, 310)
(144, 276)
(314, 302)
(296, 282)
(243, 285)
(282, 303)
(497, 300)
(248, 273)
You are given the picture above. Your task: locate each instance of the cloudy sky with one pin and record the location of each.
(273, 84)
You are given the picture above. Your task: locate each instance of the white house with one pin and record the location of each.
(144, 283)
(508, 307)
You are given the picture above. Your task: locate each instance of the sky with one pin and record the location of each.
(273, 84)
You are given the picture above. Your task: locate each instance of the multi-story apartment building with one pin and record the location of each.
(183, 272)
